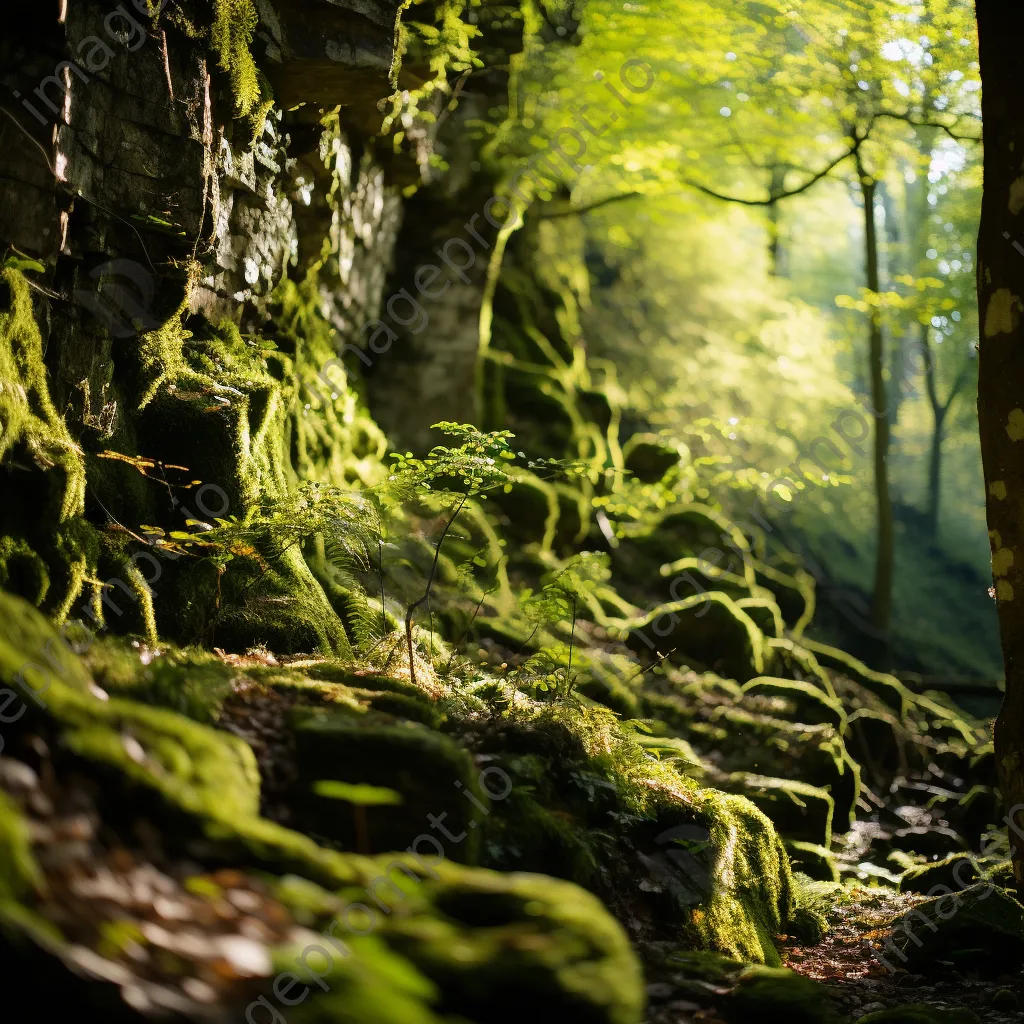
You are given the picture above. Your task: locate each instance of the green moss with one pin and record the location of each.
(649, 457)
(709, 627)
(751, 898)
(418, 762)
(27, 413)
(778, 996)
(192, 766)
(192, 681)
(39, 555)
(23, 570)
(19, 872)
(577, 965)
(465, 940)
(885, 686)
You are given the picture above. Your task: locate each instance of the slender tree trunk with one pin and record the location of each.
(881, 605)
(1001, 375)
(776, 249)
(935, 453)
(894, 265)
(935, 475)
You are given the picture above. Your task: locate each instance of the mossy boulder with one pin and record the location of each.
(430, 770)
(469, 943)
(751, 898)
(649, 457)
(980, 928)
(955, 872)
(778, 996)
(708, 627)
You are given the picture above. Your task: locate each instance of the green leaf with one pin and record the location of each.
(358, 793)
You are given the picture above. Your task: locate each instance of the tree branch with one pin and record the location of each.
(578, 211)
(772, 200)
(948, 129)
(961, 380)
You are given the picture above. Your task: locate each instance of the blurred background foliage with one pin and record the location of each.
(723, 232)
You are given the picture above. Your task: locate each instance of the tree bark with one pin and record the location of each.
(1001, 373)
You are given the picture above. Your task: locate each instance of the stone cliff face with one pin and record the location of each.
(152, 172)
(121, 144)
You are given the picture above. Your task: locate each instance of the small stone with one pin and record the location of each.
(1004, 999)
(248, 958)
(136, 998)
(171, 910)
(198, 990)
(254, 928)
(682, 1006)
(134, 749)
(244, 900)
(660, 990)
(17, 777)
(156, 935)
(40, 804)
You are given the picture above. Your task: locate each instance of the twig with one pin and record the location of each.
(430, 583)
(647, 668)
(35, 142)
(469, 626)
(167, 64)
(383, 615)
(572, 637)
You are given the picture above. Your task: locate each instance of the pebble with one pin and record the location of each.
(660, 990)
(17, 777)
(249, 959)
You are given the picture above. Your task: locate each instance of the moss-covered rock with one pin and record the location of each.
(449, 939)
(955, 872)
(979, 928)
(649, 457)
(778, 996)
(433, 774)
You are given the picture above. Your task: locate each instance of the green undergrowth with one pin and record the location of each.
(471, 934)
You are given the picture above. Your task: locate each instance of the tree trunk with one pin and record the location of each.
(894, 266)
(881, 606)
(935, 452)
(1001, 372)
(776, 246)
(935, 475)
